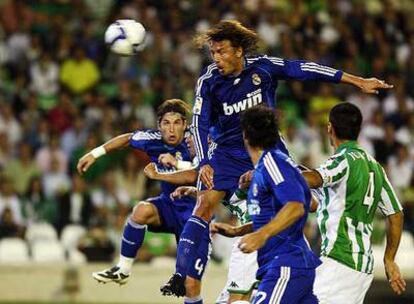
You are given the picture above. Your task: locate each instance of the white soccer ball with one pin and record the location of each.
(125, 37)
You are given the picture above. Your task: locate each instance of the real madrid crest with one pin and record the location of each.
(256, 79)
(178, 155)
(255, 190)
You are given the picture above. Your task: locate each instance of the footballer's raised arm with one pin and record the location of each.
(306, 70)
(89, 158)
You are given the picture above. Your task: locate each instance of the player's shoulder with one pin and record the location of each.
(275, 161)
(209, 71)
(264, 60)
(146, 134)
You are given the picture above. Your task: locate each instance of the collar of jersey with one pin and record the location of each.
(347, 144)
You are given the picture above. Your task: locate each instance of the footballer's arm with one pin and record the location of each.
(288, 215)
(394, 230)
(184, 177)
(115, 143)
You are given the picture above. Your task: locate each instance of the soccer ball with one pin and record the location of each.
(125, 37)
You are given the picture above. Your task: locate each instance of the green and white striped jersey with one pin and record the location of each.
(237, 205)
(354, 186)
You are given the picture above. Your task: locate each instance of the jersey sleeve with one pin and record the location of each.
(302, 70)
(333, 170)
(141, 140)
(283, 180)
(389, 203)
(201, 116)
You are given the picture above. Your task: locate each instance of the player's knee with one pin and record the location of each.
(142, 213)
(192, 287)
(204, 208)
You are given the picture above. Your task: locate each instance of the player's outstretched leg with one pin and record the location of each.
(132, 238)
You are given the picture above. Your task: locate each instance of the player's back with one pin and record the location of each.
(277, 181)
(347, 210)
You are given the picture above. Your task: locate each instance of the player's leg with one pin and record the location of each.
(196, 271)
(143, 214)
(195, 228)
(241, 275)
(337, 283)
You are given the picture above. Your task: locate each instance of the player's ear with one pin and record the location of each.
(239, 52)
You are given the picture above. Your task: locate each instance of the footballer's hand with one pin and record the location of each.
(245, 179)
(184, 191)
(372, 85)
(167, 160)
(150, 171)
(223, 229)
(252, 242)
(206, 176)
(394, 277)
(85, 162)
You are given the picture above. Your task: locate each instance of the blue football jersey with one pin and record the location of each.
(277, 181)
(219, 99)
(150, 141)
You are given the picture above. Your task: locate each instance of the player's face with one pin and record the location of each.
(228, 59)
(172, 127)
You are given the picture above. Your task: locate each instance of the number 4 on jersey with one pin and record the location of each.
(369, 195)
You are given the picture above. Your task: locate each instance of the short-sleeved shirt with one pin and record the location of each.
(354, 186)
(276, 182)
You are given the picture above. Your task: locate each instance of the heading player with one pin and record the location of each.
(235, 82)
(354, 186)
(159, 214)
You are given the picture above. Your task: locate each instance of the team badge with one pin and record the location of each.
(255, 190)
(256, 79)
(178, 155)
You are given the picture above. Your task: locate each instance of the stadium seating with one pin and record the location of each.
(13, 251)
(40, 232)
(48, 251)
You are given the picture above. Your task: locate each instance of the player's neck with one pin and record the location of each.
(255, 154)
(239, 68)
(337, 142)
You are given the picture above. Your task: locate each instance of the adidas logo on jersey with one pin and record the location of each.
(253, 99)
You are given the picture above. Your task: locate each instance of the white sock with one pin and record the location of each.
(240, 302)
(125, 264)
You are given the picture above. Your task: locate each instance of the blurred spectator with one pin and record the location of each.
(61, 116)
(44, 75)
(9, 200)
(400, 168)
(74, 137)
(55, 181)
(79, 73)
(21, 169)
(5, 149)
(131, 177)
(368, 104)
(51, 151)
(386, 147)
(75, 205)
(111, 201)
(36, 206)
(9, 124)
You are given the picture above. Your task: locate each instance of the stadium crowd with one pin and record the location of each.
(63, 93)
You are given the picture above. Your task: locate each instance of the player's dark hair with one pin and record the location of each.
(173, 105)
(260, 127)
(232, 30)
(346, 120)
